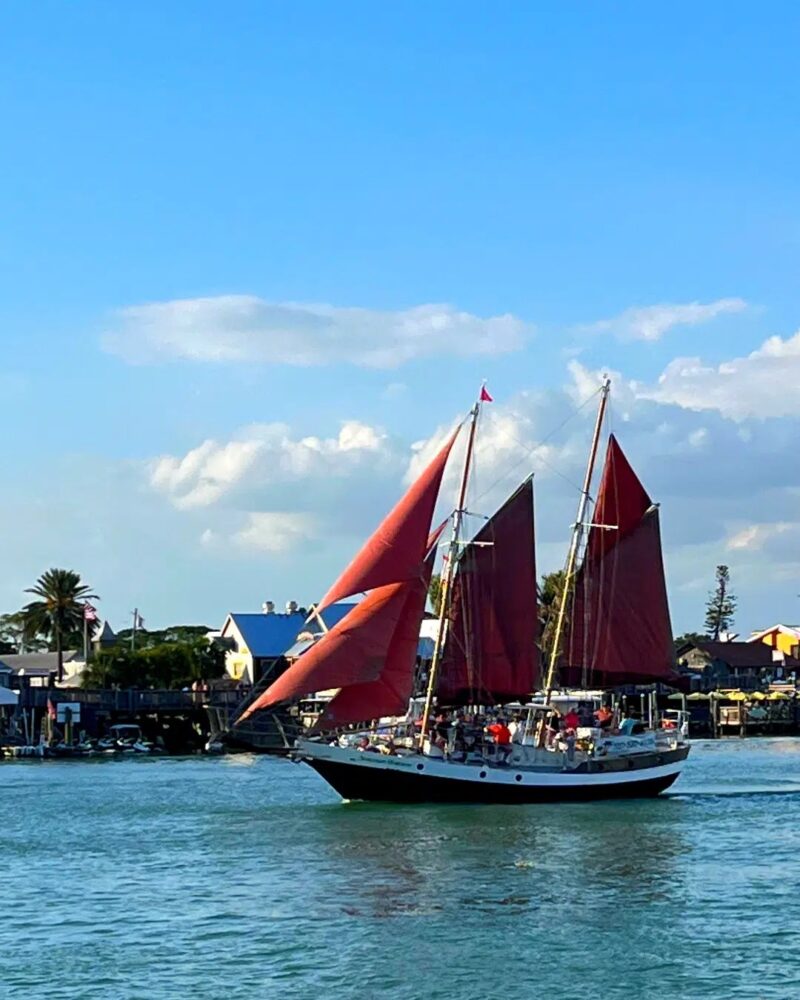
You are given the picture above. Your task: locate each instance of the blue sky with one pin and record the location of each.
(558, 165)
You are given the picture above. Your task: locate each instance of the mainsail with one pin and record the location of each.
(490, 653)
(396, 549)
(619, 629)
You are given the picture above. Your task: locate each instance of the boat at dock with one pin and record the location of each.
(612, 628)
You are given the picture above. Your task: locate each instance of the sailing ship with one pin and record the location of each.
(612, 628)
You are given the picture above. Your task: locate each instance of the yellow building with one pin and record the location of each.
(784, 638)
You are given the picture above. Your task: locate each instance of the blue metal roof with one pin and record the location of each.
(272, 635)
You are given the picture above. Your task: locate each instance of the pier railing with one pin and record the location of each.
(131, 699)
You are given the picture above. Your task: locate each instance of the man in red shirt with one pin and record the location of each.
(572, 720)
(501, 735)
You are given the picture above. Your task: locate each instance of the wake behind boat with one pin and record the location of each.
(612, 628)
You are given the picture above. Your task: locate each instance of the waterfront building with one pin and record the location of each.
(41, 669)
(783, 638)
(257, 642)
(104, 638)
(736, 664)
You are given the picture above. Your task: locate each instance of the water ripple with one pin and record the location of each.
(245, 877)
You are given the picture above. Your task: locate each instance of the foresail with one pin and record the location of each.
(619, 628)
(397, 548)
(491, 654)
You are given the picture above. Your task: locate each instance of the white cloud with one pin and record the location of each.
(269, 490)
(247, 329)
(753, 537)
(275, 531)
(263, 454)
(698, 438)
(652, 322)
(757, 385)
(205, 473)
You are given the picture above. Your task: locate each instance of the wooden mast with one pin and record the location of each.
(574, 548)
(449, 569)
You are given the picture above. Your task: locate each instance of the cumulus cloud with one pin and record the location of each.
(652, 322)
(269, 490)
(247, 329)
(757, 385)
(263, 454)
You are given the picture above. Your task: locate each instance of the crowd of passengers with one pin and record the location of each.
(461, 736)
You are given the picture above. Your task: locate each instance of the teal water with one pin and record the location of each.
(245, 877)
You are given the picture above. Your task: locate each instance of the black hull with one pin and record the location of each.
(381, 785)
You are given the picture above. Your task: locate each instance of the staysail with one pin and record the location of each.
(490, 654)
(396, 549)
(619, 629)
(353, 652)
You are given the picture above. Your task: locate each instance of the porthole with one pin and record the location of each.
(483, 774)
(420, 767)
(517, 777)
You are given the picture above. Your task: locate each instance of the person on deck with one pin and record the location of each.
(442, 725)
(501, 735)
(603, 717)
(553, 726)
(455, 742)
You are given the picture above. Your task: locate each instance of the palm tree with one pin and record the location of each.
(550, 591)
(59, 610)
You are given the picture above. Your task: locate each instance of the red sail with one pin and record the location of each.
(396, 549)
(352, 652)
(390, 692)
(619, 629)
(491, 654)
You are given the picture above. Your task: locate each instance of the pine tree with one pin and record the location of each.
(721, 606)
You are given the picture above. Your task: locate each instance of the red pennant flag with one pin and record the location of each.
(484, 396)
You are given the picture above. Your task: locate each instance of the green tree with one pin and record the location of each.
(13, 638)
(550, 590)
(435, 593)
(58, 612)
(174, 633)
(721, 605)
(163, 666)
(689, 638)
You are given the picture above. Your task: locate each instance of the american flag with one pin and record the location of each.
(89, 613)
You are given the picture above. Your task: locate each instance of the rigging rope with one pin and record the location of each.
(528, 451)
